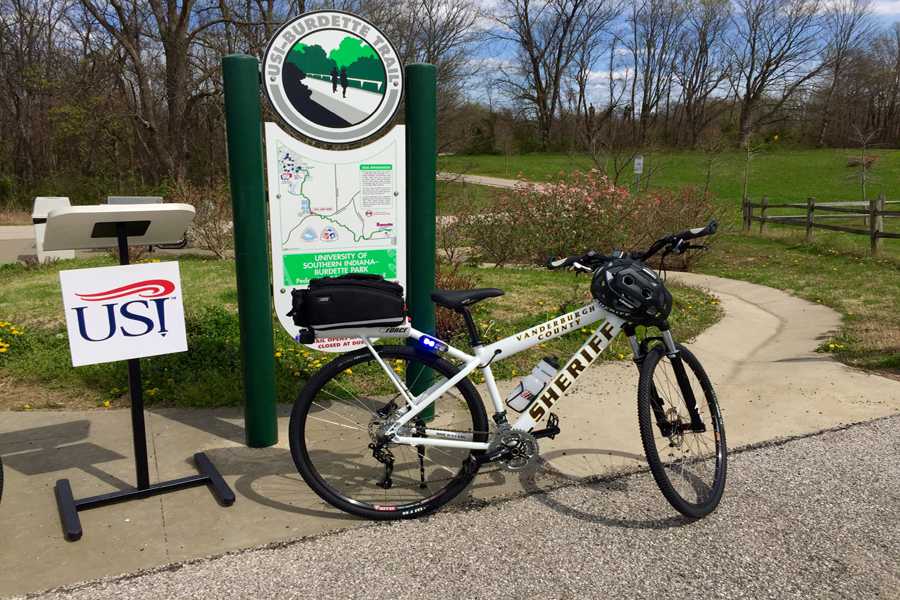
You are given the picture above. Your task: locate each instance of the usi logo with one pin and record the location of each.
(117, 313)
(134, 310)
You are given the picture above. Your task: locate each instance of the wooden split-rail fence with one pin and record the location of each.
(873, 213)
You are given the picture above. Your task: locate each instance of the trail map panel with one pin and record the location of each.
(334, 212)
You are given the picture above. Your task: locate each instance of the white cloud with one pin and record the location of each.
(886, 7)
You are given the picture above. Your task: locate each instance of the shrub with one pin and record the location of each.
(667, 211)
(448, 322)
(580, 212)
(212, 224)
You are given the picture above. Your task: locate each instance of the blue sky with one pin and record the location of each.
(494, 55)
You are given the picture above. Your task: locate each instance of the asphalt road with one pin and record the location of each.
(815, 517)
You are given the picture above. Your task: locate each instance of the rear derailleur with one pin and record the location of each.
(383, 454)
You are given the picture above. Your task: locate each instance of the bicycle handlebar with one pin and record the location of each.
(675, 242)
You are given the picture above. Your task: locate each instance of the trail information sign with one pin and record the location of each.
(334, 212)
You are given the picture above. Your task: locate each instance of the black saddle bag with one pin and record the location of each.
(351, 301)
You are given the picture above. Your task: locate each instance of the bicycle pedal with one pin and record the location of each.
(552, 429)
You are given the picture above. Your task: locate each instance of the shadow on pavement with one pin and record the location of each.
(613, 485)
(53, 448)
(273, 470)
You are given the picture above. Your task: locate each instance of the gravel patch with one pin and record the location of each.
(811, 518)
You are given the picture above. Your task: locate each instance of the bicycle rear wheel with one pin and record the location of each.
(335, 448)
(686, 452)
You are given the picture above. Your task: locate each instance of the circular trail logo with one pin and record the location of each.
(332, 76)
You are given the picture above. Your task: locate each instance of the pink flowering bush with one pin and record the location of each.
(582, 211)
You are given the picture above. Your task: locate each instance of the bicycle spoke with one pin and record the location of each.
(360, 467)
(689, 460)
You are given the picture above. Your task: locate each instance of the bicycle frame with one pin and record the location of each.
(609, 327)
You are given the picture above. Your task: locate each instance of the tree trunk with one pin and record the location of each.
(745, 124)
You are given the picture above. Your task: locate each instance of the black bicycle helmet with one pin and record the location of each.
(632, 290)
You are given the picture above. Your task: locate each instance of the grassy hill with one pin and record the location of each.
(791, 175)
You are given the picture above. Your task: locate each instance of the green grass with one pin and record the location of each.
(834, 270)
(780, 174)
(452, 197)
(864, 290)
(209, 373)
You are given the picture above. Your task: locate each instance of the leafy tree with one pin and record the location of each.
(368, 68)
(311, 59)
(350, 50)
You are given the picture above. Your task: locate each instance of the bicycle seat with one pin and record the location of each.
(458, 299)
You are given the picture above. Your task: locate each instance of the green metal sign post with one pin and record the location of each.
(243, 121)
(245, 160)
(421, 172)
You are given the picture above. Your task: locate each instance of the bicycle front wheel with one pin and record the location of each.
(335, 446)
(685, 447)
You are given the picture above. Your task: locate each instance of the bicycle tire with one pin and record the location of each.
(649, 427)
(298, 434)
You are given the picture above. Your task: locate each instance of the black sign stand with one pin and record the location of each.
(68, 505)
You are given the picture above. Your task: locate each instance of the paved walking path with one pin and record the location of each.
(812, 518)
(760, 357)
(497, 182)
(15, 241)
(358, 104)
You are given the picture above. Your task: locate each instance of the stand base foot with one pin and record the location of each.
(69, 506)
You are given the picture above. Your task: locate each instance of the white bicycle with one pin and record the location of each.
(397, 431)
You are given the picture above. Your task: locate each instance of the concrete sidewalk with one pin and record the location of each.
(807, 519)
(760, 357)
(16, 241)
(497, 182)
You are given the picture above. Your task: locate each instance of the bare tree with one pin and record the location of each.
(589, 120)
(441, 32)
(154, 36)
(547, 36)
(849, 26)
(776, 50)
(30, 65)
(701, 63)
(655, 27)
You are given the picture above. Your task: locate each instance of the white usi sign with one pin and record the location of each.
(639, 164)
(129, 311)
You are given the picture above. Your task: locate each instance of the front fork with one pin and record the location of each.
(640, 349)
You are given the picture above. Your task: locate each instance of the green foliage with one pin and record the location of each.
(7, 189)
(368, 68)
(311, 59)
(353, 54)
(350, 50)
